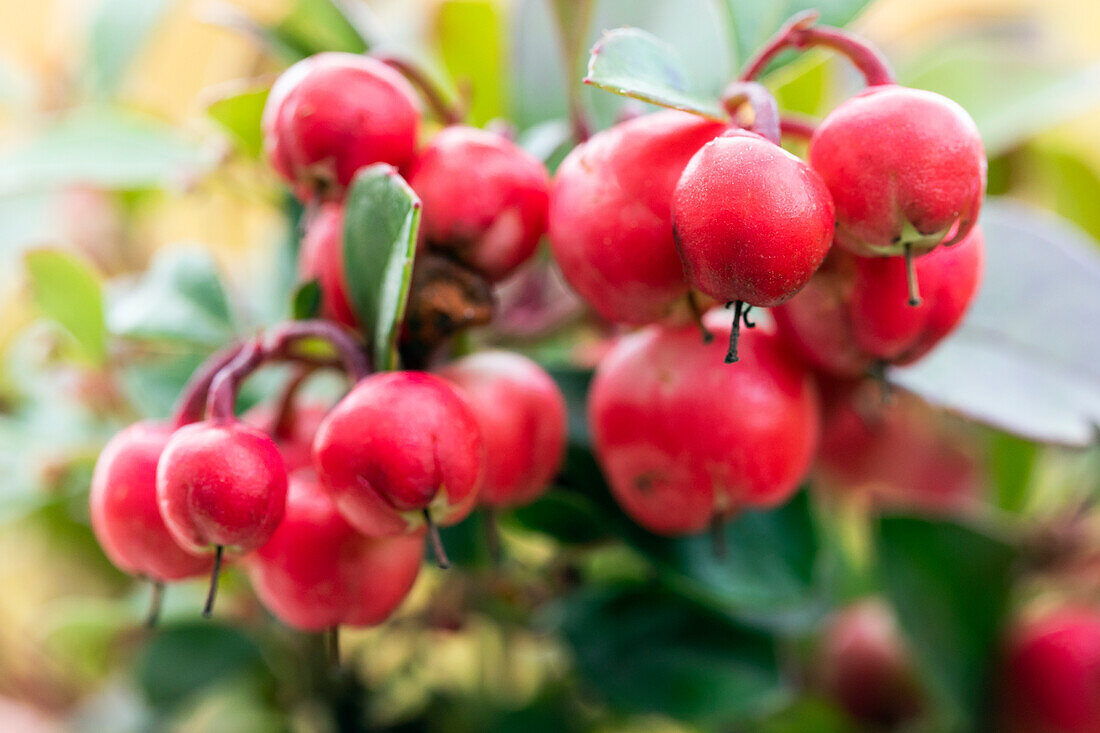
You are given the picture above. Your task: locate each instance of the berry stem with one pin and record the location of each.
(192, 401)
(212, 594)
(801, 33)
(332, 645)
(765, 110)
(878, 373)
(718, 537)
(223, 390)
(911, 276)
(155, 601)
(448, 113)
(280, 341)
(436, 542)
(697, 316)
(735, 332)
(797, 127)
(492, 535)
(282, 417)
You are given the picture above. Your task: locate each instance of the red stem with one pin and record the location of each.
(192, 401)
(765, 110)
(448, 113)
(223, 390)
(800, 33)
(797, 127)
(279, 342)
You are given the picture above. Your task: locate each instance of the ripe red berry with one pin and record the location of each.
(1049, 678)
(853, 313)
(906, 169)
(221, 484)
(485, 199)
(123, 503)
(752, 221)
(522, 417)
(293, 435)
(400, 449)
(610, 214)
(684, 440)
(316, 571)
(321, 258)
(866, 667)
(333, 113)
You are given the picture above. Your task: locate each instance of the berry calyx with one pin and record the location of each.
(399, 451)
(485, 199)
(333, 113)
(611, 219)
(316, 571)
(521, 413)
(752, 222)
(684, 440)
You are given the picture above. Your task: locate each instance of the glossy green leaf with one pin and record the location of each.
(381, 221)
(646, 650)
(949, 584)
(752, 22)
(68, 291)
(1025, 359)
(238, 109)
(471, 34)
(306, 301)
(103, 148)
(637, 64)
(180, 298)
(118, 31)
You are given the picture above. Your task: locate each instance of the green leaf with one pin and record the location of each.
(68, 291)
(313, 26)
(753, 22)
(1011, 462)
(471, 36)
(103, 148)
(119, 29)
(180, 298)
(307, 300)
(381, 221)
(1025, 359)
(238, 108)
(949, 585)
(634, 63)
(647, 650)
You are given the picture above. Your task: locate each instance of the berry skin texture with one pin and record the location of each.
(333, 113)
(485, 199)
(522, 416)
(221, 484)
(400, 444)
(906, 168)
(610, 214)
(316, 571)
(1050, 672)
(853, 313)
(321, 258)
(124, 512)
(752, 221)
(683, 439)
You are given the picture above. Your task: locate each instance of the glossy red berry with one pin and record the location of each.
(321, 258)
(610, 214)
(522, 417)
(485, 199)
(853, 313)
(221, 484)
(294, 434)
(124, 512)
(333, 113)
(906, 169)
(317, 571)
(683, 439)
(400, 449)
(1050, 673)
(752, 221)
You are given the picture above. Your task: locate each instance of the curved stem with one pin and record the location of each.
(280, 340)
(735, 332)
(911, 276)
(797, 127)
(192, 401)
(223, 390)
(155, 601)
(447, 112)
(765, 110)
(282, 417)
(212, 594)
(800, 33)
(436, 542)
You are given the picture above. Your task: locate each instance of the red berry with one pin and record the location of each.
(610, 214)
(316, 571)
(221, 484)
(123, 504)
(906, 169)
(485, 199)
(752, 221)
(867, 668)
(321, 258)
(1050, 675)
(522, 417)
(400, 445)
(333, 113)
(853, 312)
(295, 437)
(683, 439)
